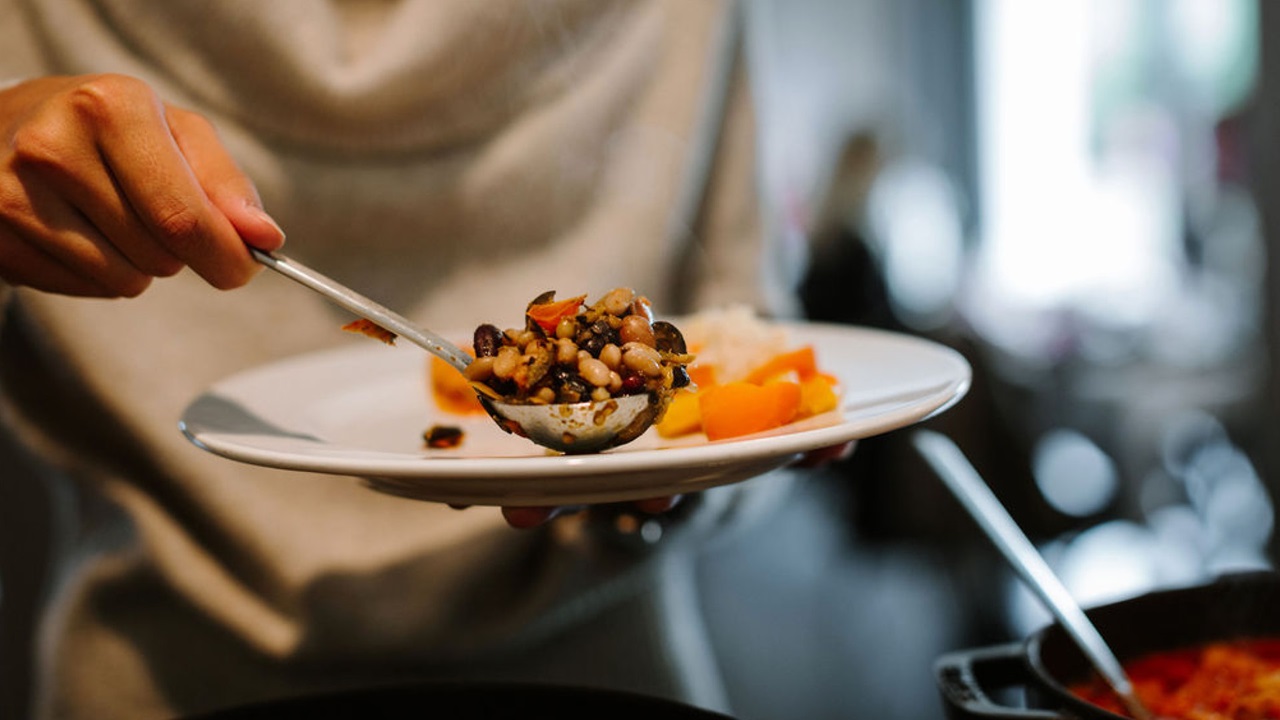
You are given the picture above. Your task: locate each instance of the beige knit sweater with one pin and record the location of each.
(451, 159)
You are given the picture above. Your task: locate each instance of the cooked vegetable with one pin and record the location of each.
(818, 395)
(782, 389)
(741, 408)
(567, 352)
(800, 361)
(683, 415)
(548, 315)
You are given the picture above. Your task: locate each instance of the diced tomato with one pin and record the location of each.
(548, 315)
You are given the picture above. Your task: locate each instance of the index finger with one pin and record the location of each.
(225, 184)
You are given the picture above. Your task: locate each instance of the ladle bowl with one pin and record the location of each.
(577, 427)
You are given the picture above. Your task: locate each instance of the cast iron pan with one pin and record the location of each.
(1245, 605)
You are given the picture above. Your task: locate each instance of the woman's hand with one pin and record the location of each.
(104, 187)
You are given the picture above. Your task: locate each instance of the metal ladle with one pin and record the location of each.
(964, 482)
(565, 427)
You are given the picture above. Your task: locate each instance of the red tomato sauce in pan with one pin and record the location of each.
(1238, 680)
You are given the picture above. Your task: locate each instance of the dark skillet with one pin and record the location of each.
(1235, 606)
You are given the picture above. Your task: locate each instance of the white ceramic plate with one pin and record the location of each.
(361, 410)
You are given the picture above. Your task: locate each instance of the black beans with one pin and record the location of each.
(596, 336)
(680, 377)
(572, 387)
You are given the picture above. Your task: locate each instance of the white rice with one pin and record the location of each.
(732, 339)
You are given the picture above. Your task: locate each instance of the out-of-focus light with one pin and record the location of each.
(1083, 154)
(1033, 120)
(1110, 561)
(1233, 511)
(914, 216)
(1231, 499)
(1180, 536)
(1106, 563)
(1238, 559)
(1075, 476)
(1184, 434)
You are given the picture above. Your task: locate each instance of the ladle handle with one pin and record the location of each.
(363, 306)
(964, 482)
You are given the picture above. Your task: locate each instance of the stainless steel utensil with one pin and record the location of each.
(963, 480)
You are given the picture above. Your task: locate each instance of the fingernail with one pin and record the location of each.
(264, 217)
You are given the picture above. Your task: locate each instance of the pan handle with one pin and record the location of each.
(963, 675)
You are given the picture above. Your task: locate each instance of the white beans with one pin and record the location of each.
(642, 359)
(505, 364)
(566, 328)
(594, 372)
(480, 369)
(618, 301)
(566, 351)
(611, 356)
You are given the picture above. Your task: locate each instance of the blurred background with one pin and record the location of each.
(1077, 196)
